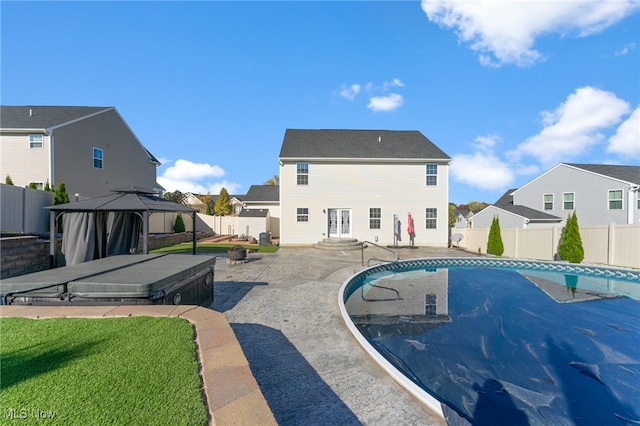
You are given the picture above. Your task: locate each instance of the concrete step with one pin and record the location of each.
(339, 244)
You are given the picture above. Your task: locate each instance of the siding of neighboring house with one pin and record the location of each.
(590, 200)
(69, 136)
(125, 161)
(22, 163)
(507, 220)
(397, 188)
(266, 197)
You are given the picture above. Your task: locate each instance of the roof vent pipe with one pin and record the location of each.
(379, 138)
(30, 112)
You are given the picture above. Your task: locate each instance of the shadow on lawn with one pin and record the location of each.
(295, 392)
(33, 361)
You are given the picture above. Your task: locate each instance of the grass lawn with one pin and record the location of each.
(133, 371)
(212, 248)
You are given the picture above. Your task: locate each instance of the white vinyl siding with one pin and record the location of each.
(395, 188)
(23, 163)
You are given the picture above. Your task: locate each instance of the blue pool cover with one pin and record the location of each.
(510, 349)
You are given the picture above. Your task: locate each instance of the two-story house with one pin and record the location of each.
(362, 184)
(91, 149)
(600, 194)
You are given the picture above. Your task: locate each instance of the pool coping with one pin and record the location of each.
(232, 393)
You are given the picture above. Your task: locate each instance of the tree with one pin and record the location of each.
(208, 211)
(452, 215)
(494, 245)
(178, 226)
(476, 206)
(61, 194)
(570, 248)
(8, 180)
(223, 204)
(175, 196)
(47, 187)
(275, 180)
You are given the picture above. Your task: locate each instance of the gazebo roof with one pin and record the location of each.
(125, 199)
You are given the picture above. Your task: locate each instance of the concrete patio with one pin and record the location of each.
(274, 348)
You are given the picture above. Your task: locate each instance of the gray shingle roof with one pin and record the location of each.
(361, 144)
(262, 193)
(253, 213)
(626, 173)
(42, 117)
(505, 202)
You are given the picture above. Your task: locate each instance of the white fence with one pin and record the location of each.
(22, 209)
(615, 245)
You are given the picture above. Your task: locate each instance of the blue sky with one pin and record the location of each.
(508, 89)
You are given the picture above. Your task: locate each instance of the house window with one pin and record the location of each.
(97, 158)
(432, 174)
(303, 173)
(548, 201)
(615, 199)
(568, 201)
(432, 218)
(374, 218)
(36, 141)
(302, 215)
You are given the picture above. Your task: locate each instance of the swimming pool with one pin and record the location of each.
(502, 341)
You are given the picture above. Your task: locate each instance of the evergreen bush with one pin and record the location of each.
(570, 248)
(178, 226)
(8, 180)
(494, 245)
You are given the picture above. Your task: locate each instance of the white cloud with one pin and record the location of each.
(574, 127)
(350, 92)
(396, 82)
(626, 49)
(385, 103)
(481, 170)
(505, 31)
(187, 176)
(626, 141)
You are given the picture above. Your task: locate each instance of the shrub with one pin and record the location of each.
(179, 225)
(494, 245)
(570, 248)
(8, 180)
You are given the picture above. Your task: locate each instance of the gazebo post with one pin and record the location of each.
(53, 240)
(145, 232)
(193, 215)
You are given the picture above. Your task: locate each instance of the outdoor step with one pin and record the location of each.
(338, 244)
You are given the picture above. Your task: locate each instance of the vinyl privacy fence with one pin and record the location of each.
(613, 244)
(22, 209)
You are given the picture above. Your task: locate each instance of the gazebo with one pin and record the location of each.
(86, 222)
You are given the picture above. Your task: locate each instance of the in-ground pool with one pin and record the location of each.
(498, 341)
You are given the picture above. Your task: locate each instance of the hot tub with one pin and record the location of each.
(165, 279)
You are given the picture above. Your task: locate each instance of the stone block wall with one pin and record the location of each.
(25, 254)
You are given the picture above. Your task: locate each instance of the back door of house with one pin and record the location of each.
(339, 223)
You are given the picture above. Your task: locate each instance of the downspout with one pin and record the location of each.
(49, 132)
(631, 202)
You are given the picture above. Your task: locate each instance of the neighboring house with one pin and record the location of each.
(359, 184)
(600, 194)
(195, 202)
(253, 222)
(236, 203)
(512, 216)
(463, 218)
(91, 149)
(265, 197)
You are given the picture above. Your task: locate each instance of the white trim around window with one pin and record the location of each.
(568, 201)
(615, 199)
(98, 158)
(547, 202)
(36, 141)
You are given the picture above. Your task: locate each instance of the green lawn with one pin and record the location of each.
(133, 371)
(212, 248)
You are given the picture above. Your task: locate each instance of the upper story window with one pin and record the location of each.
(36, 141)
(374, 218)
(302, 214)
(615, 199)
(432, 174)
(97, 158)
(568, 199)
(432, 218)
(548, 201)
(302, 171)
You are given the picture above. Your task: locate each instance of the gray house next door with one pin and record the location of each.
(339, 223)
